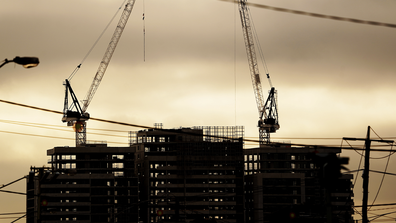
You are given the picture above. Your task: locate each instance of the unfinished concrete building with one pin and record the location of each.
(94, 183)
(167, 175)
(185, 175)
(191, 174)
(283, 184)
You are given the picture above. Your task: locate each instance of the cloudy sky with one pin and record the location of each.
(333, 78)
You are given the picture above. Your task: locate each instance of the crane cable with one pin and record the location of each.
(144, 33)
(93, 46)
(260, 50)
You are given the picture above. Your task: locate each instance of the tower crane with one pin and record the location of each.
(75, 115)
(268, 114)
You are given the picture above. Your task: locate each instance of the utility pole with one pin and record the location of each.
(366, 169)
(366, 176)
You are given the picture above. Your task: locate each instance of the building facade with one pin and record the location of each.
(167, 175)
(189, 175)
(285, 184)
(199, 174)
(94, 183)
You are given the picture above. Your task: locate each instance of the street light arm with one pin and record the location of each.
(5, 62)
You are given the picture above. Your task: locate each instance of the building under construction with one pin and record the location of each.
(197, 174)
(288, 184)
(94, 183)
(168, 175)
(191, 174)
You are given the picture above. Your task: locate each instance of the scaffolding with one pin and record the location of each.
(221, 133)
(196, 133)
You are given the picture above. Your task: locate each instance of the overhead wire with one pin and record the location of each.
(32, 124)
(62, 128)
(383, 209)
(52, 137)
(360, 162)
(361, 156)
(7, 218)
(14, 213)
(382, 180)
(317, 15)
(19, 218)
(12, 192)
(5, 185)
(380, 215)
(374, 171)
(387, 156)
(150, 127)
(390, 154)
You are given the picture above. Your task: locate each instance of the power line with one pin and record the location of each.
(149, 127)
(12, 192)
(12, 213)
(5, 185)
(60, 128)
(53, 137)
(64, 128)
(383, 176)
(376, 205)
(383, 209)
(317, 15)
(381, 215)
(394, 174)
(19, 218)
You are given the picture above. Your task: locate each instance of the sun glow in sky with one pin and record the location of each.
(333, 78)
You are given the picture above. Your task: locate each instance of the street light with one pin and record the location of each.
(26, 62)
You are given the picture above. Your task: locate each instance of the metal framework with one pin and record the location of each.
(71, 116)
(109, 53)
(221, 133)
(268, 114)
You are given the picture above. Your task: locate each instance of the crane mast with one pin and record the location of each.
(268, 114)
(78, 118)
